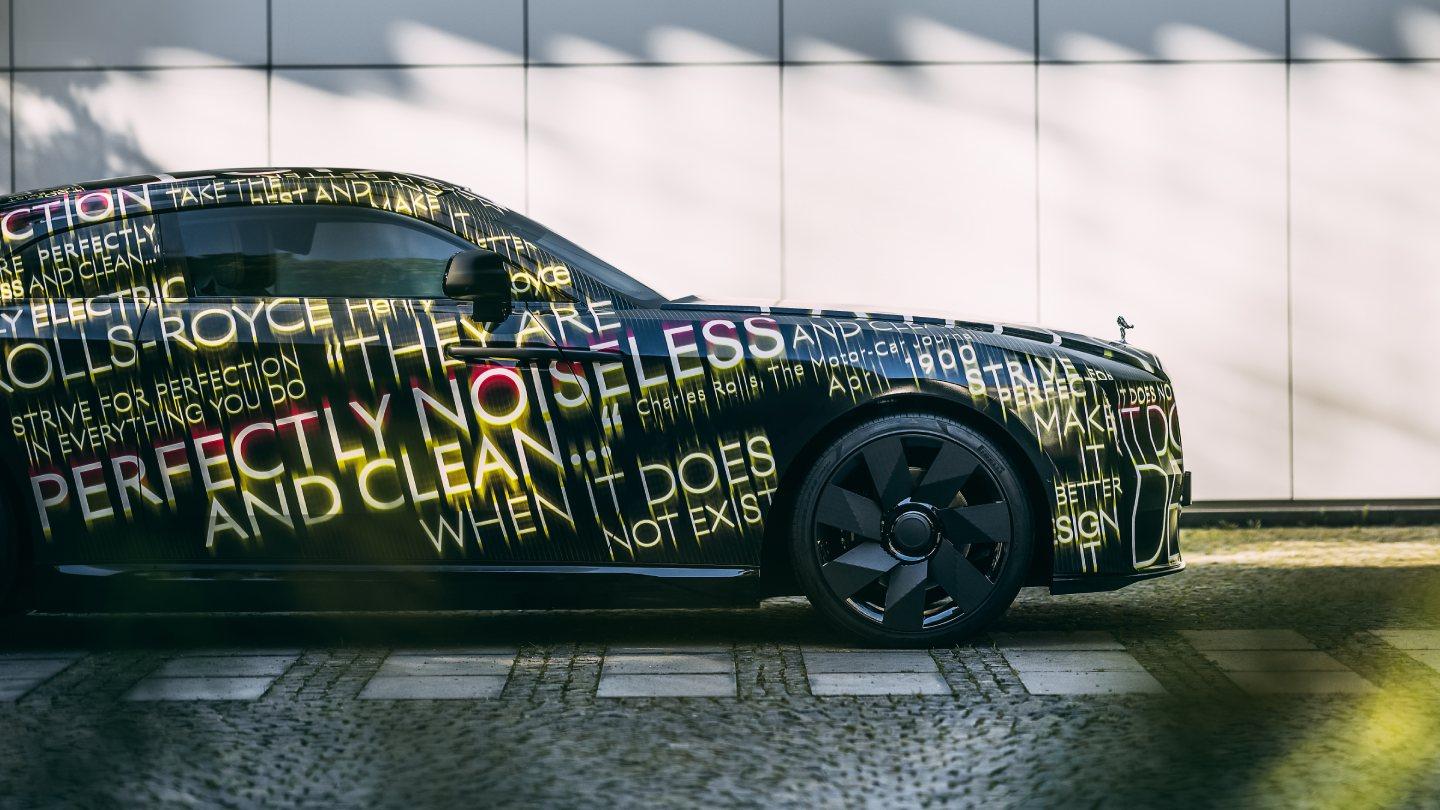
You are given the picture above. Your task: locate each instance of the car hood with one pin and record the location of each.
(1116, 351)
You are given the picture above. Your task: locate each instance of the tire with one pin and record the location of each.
(916, 556)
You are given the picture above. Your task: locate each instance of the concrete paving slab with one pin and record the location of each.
(1430, 658)
(1274, 639)
(12, 689)
(670, 685)
(675, 663)
(1091, 683)
(484, 649)
(1056, 640)
(1072, 661)
(878, 683)
(433, 687)
(293, 652)
(53, 655)
(222, 665)
(822, 661)
(1302, 683)
(37, 669)
(667, 649)
(199, 689)
(1410, 639)
(1275, 661)
(422, 665)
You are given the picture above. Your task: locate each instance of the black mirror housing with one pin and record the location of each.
(481, 277)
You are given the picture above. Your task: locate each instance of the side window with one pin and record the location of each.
(113, 257)
(535, 281)
(311, 251)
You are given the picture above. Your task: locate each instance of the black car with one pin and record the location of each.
(325, 388)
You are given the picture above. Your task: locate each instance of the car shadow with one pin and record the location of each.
(778, 621)
(1334, 598)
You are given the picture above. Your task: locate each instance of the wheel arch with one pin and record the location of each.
(939, 399)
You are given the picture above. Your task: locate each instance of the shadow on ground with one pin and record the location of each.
(1320, 578)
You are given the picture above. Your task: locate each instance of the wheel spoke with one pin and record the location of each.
(986, 523)
(952, 467)
(888, 468)
(845, 510)
(905, 597)
(959, 577)
(857, 568)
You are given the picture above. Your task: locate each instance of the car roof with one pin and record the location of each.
(312, 172)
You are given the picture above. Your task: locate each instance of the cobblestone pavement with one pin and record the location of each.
(1287, 667)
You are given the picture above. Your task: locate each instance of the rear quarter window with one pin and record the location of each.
(108, 258)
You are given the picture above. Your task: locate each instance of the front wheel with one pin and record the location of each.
(912, 530)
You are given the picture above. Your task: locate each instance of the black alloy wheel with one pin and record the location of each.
(912, 530)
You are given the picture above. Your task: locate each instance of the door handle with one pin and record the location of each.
(482, 354)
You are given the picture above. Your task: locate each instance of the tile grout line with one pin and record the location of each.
(269, 82)
(1035, 144)
(10, 15)
(525, 93)
(780, 127)
(1398, 60)
(600, 671)
(1289, 256)
(939, 668)
(154, 675)
(34, 684)
(734, 651)
(1030, 678)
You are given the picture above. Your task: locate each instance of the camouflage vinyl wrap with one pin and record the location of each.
(151, 424)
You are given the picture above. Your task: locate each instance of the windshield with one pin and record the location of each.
(577, 258)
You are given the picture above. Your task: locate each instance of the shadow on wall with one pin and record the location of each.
(63, 134)
(1156, 184)
(89, 125)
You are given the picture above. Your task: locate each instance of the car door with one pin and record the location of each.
(688, 469)
(379, 440)
(82, 412)
(679, 411)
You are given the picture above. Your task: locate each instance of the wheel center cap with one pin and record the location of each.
(912, 534)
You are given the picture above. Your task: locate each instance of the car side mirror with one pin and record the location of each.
(481, 277)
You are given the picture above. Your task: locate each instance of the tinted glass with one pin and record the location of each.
(578, 258)
(313, 251)
(108, 258)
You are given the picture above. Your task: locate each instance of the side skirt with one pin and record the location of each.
(108, 588)
(1093, 583)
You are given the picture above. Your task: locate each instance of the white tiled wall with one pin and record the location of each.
(673, 173)
(919, 187)
(397, 119)
(1126, 30)
(628, 31)
(1365, 29)
(1271, 232)
(1162, 197)
(84, 125)
(5, 33)
(7, 177)
(138, 33)
(384, 32)
(1366, 279)
(909, 30)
